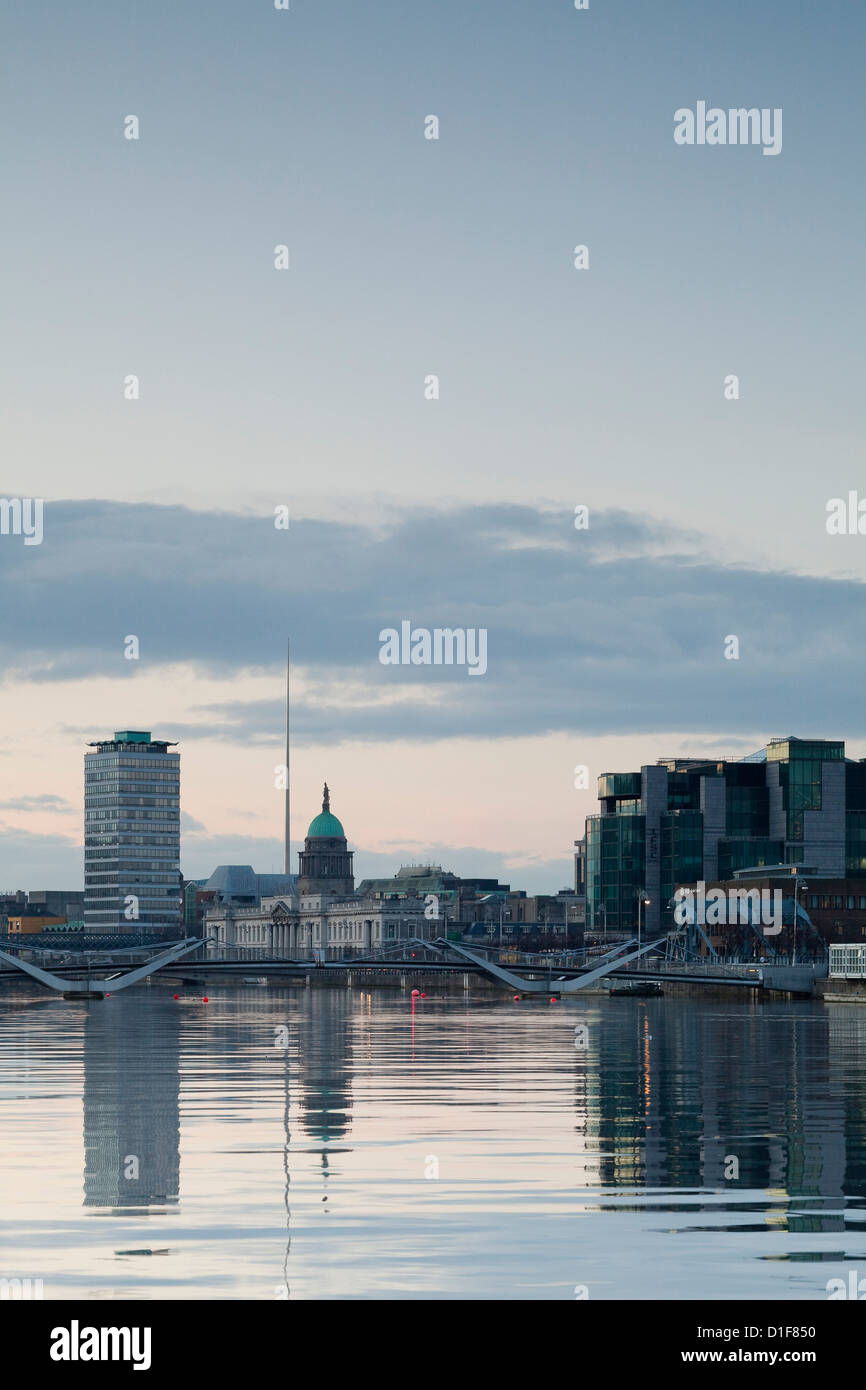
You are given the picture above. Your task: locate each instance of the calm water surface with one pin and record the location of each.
(302, 1163)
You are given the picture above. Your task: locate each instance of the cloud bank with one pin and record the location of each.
(617, 628)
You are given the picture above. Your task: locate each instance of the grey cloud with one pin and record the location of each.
(617, 628)
(39, 861)
(47, 801)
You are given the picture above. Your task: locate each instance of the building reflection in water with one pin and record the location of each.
(665, 1095)
(671, 1094)
(131, 1104)
(325, 1066)
(315, 1067)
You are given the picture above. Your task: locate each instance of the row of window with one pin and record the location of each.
(109, 854)
(99, 894)
(93, 760)
(114, 781)
(127, 799)
(848, 960)
(160, 917)
(151, 774)
(129, 876)
(837, 900)
(138, 785)
(112, 907)
(129, 862)
(100, 843)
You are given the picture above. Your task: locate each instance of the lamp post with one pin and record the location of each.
(641, 901)
(566, 906)
(797, 886)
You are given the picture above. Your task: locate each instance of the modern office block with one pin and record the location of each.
(132, 836)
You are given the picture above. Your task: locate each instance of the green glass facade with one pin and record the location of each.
(682, 849)
(855, 844)
(615, 868)
(747, 802)
(800, 775)
(855, 820)
(748, 854)
(681, 820)
(613, 785)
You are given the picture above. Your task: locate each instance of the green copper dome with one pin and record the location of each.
(325, 826)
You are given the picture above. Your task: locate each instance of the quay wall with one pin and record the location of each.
(840, 991)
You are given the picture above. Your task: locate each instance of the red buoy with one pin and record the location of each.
(517, 998)
(204, 1000)
(176, 996)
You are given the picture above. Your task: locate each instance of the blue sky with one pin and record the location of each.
(305, 388)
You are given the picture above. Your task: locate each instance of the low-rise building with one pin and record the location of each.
(321, 915)
(63, 902)
(30, 924)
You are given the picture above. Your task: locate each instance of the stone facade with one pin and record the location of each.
(325, 918)
(319, 924)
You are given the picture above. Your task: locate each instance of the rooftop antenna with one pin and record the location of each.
(288, 833)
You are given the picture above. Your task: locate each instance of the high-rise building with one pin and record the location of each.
(132, 836)
(797, 802)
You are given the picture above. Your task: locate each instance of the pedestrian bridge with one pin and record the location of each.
(612, 961)
(94, 989)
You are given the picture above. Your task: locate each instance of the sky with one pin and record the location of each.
(304, 389)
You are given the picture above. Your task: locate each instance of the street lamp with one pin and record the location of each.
(797, 886)
(502, 910)
(641, 901)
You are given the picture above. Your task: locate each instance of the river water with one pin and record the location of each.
(325, 1143)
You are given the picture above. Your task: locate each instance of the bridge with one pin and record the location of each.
(541, 976)
(612, 961)
(93, 989)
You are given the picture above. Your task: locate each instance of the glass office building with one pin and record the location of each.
(132, 836)
(797, 801)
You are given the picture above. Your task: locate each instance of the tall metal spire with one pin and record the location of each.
(288, 834)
